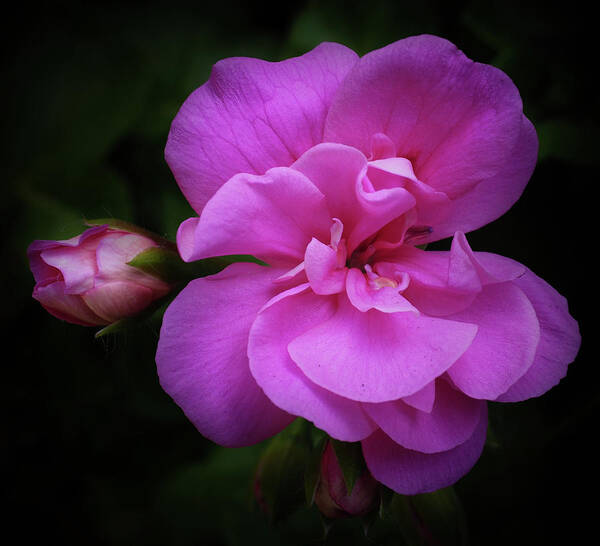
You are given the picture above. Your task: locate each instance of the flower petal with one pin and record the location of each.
(285, 384)
(559, 340)
(113, 253)
(385, 299)
(493, 196)
(77, 266)
(252, 115)
(321, 263)
(422, 400)
(451, 421)
(115, 300)
(259, 215)
(459, 122)
(202, 361)
(65, 306)
(504, 346)
(432, 206)
(377, 357)
(339, 172)
(411, 472)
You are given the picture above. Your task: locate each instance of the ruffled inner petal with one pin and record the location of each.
(377, 357)
(284, 383)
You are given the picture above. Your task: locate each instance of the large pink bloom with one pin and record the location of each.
(331, 169)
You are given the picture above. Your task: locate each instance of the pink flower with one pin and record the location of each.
(331, 169)
(332, 495)
(86, 280)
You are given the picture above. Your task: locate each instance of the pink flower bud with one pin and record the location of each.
(86, 280)
(332, 496)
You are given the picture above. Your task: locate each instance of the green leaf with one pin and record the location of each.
(351, 461)
(430, 518)
(312, 471)
(281, 471)
(442, 515)
(403, 513)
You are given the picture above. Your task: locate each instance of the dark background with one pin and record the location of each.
(97, 452)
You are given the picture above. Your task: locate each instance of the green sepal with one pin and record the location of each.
(443, 515)
(166, 264)
(281, 470)
(386, 496)
(312, 471)
(351, 461)
(430, 518)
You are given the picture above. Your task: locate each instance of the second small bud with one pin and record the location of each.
(332, 496)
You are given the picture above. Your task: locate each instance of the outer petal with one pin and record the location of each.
(377, 357)
(457, 121)
(422, 400)
(451, 421)
(43, 272)
(493, 196)
(411, 472)
(115, 300)
(64, 306)
(504, 346)
(77, 266)
(202, 360)
(113, 253)
(559, 335)
(285, 384)
(252, 115)
(260, 215)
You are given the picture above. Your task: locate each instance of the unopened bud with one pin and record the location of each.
(332, 496)
(86, 280)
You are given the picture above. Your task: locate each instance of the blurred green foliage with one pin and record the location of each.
(98, 453)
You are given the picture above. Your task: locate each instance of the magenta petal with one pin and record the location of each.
(285, 384)
(186, 238)
(321, 263)
(422, 400)
(252, 115)
(411, 472)
(458, 121)
(504, 346)
(559, 340)
(432, 206)
(429, 289)
(451, 421)
(493, 196)
(377, 357)
(338, 171)
(259, 215)
(201, 356)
